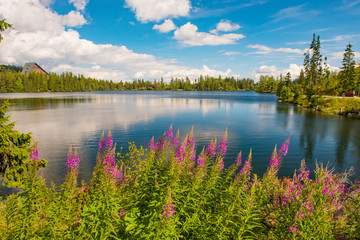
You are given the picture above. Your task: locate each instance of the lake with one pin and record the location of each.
(253, 120)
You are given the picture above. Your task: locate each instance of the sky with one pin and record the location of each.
(123, 40)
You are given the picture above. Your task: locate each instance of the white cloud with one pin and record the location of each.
(188, 35)
(265, 50)
(166, 27)
(156, 10)
(272, 70)
(59, 49)
(47, 3)
(31, 16)
(231, 53)
(73, 19)
(95, 71)
(194, 73)
(79, 4)
(226, 26)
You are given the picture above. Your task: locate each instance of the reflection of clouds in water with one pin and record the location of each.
(64, 125)
(254, 122)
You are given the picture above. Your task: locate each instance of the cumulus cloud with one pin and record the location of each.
(194, 73)
(272, 70)
(32, 16)
(188, 35)
(156, 10)
(226, 26)
(59, 49)
(79, 4)
(265, 50)
(166, 27)
(73, 19)
(46, 2)
(183, 72)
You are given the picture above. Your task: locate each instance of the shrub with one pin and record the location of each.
(168, 192)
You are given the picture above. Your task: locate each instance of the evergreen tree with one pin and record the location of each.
(288, 79)
(316, 70)
(348, 69)
(14, 151)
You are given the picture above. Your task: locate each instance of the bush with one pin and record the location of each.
(166, 192)
(15, 148)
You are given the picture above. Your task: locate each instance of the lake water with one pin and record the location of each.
(253, 120)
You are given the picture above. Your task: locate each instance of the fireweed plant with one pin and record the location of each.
(167, 191)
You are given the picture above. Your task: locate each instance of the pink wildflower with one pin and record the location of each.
(34, 155)
(175, 141)
(151, 145)
(223, 145)
(102, 143)
(110, 161)
(211, 149)
(202, 158)
(238, 159)
(294, 230)
(169, 133)
(109, 141)
(160, 144)
(118, 174)
(180, 155)
(72, 160)
(274, 161)
(168, 211)
(245, 171)
(168, 208)
(122, 213)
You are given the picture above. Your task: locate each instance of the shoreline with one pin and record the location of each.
(348, 107)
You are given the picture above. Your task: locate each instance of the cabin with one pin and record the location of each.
(33, 67)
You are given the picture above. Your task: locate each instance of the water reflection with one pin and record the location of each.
(58, 120)
(342, 143)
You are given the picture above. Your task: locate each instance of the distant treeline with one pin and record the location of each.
(202, 84)
(11, 68)
(11, 80)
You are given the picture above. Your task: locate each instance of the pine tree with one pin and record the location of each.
(316, 70)
(348, 69)
(288, 79)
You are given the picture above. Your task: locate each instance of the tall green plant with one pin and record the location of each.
(14, 151)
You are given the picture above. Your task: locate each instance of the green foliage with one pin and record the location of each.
(316, 81)
(3, 26)
(266, 84)
(11, 68)
(348, 81)
(164, 193)
(286, 94)
(14, 151)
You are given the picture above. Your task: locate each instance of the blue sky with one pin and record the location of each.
(149, 39)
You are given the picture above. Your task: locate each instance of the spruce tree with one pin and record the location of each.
(348, 82)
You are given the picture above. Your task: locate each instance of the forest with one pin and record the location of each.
(12, 80)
